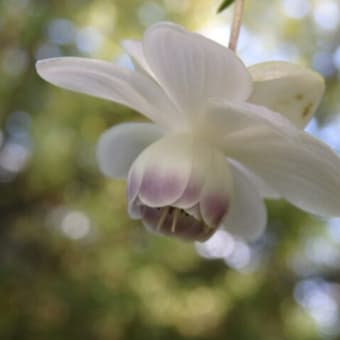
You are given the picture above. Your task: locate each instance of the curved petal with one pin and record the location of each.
(217, 192)
(248, 215)
(201, 154)
(263, 188)
(177, 177)
(224, 118)
(303, 170)
(290, 89)
(162, 171)
(119, 146)
(134, 49)
(192, 68)
(105, 80)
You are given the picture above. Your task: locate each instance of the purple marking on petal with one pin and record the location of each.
(191, 194)
(161, 189)
(214, 208)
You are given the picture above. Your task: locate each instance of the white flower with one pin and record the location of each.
(223, 137)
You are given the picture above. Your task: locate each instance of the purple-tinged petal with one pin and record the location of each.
(163, 171)
(180, 187)
(159, 185)
(200, 161)
(217, 193)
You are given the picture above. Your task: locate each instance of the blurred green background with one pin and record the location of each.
(72, 263)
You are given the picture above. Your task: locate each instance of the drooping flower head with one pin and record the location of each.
(222, 137)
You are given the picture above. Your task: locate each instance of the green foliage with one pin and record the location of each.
(224, 5)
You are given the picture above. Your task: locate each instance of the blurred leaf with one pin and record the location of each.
(225, 4)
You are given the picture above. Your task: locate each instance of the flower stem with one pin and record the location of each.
(236, 26)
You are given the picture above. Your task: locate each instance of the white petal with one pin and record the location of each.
(217, 192)
(105, 80)
(200, 167)
(184, 173)
(248, 215)
(224, 118)
(303, 170)
(119, 146)
(290, 89)
(161, 173)
(263, 188)
(134, 48)
(192, 68)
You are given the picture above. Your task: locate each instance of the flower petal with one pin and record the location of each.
(217, 192)
(134, 48)
(224, 118)
(119, 146)
(162, 171)
(292, 90)
(303, 170)
(263, 188)
(201, 158)
(247, 217)
(192, 68)
(105, 80)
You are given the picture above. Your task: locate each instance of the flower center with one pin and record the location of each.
(176, 222)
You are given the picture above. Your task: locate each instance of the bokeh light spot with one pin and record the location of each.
(327, 15)
(296, 9)
(61, 32)
(75, 225)
(150, 12)
(220, 245)
(88, 40)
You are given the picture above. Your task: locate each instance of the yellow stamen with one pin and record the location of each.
(162, 218)
(174, 221)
